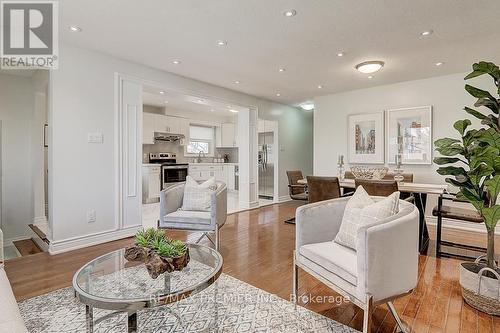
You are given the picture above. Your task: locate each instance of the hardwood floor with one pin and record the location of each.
(27, 247)
(257, 248)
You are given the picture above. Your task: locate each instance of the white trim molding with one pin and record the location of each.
(75, 243)
(284, 198)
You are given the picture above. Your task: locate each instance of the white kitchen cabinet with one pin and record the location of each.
(205, 171)
(228, 176)
(151, 183)
(228, 135)
(161, 123)
(148, 128)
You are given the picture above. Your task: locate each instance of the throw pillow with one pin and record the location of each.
(360, 210)
(198, 196)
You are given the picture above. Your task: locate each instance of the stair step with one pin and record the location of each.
(27, 247)
(39, 233)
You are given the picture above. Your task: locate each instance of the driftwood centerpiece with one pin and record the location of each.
(160, 253)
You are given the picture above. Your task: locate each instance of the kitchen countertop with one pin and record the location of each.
(212, 163)
(150, 164)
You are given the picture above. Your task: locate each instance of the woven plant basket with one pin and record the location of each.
(481, 287)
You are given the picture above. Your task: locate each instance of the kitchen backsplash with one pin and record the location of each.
(179, 150)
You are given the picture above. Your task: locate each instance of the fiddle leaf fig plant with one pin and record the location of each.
(473, 162)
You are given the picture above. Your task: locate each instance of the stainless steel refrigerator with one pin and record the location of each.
(266, 165)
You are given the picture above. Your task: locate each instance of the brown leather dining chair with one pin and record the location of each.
(295, 190)
(322, 188)
(382, 188)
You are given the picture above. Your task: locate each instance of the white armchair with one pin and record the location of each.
(207, 221)
(383, 268)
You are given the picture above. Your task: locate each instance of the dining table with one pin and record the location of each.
(420, 191)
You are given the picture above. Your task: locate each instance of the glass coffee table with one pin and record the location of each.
(111, 282)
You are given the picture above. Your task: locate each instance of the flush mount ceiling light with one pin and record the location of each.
(281, 70)
(340, 54)
(369, 67)
(162, 92)
(176, 62)
(307, 106)
(439, 63)
(237, 82)
(200, 101)
(221, 42)
(233, 111)
(290, 13)
(75, 28)
(370, 77)
(427, 33)
(278, 94)
(320, 86)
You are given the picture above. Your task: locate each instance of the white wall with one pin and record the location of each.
(83, 101)
(446, 94)
(16, 111)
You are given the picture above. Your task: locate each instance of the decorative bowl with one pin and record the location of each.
(366, 172)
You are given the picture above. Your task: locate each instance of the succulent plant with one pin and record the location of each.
(160, 243)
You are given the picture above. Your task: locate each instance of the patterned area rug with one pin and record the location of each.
(229, 305)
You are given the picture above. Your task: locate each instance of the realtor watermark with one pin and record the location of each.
(29, 34)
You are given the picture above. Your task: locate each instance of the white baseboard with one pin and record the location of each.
(89, 240)
(284, 198)
(463, 226)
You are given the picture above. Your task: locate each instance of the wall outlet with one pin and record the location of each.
(95, 137)
(91, 216)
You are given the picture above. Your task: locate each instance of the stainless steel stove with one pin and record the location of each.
(171, 171)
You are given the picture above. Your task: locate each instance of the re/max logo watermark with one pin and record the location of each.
(29, 36)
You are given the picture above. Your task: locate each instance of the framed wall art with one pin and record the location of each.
(366, 138)
(409, 133)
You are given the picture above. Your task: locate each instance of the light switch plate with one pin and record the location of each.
(95, 137)
(91, 216)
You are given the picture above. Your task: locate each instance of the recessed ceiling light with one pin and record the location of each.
(290, 13)
(162, 92)
(75, 28)
(369, 67)
(439, 63)
(307, 106)
(221, 42)
(233, 111)
(320, 86)
(370, 77)
(281, 70)
(237, 82)
(278, 94)
(166, 102)
(427, 33)
(176, 62)
(201, 100)
(212, 110)
(340, 54)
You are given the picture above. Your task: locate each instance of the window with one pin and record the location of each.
(201, 140)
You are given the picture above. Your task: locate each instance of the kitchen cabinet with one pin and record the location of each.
(151, 183)
(221, 172)
(148, 128)
(228, 175)
(228, 135)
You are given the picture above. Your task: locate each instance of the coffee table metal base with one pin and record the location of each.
(89, 315)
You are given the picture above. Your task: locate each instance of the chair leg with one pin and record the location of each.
(295, 282)
(401, 325)
(201, 237)
(217, 238)
(439, 227)
(367, 318)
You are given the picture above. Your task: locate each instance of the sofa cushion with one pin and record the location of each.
(10, 318)
(198, 196)
(188, 217)
(333, 257)
(361, 209)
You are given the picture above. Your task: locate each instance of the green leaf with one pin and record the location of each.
(491, 121)
(446, 160)
(469, 137)
(479, 93)
(493, 185)
(489, 136)
(491, 215)
(452, 171)
(471, 196)
(484, 67)
(488, 155)
(479, 172)
(457, 183)
(445, 142)
(475, 113)
(461, 125)
(451, 150)
(490, 104)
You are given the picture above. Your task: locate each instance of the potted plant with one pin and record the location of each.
(473, 162)
(160, 253)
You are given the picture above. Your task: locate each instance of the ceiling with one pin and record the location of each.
(260, 40)
(173, 100)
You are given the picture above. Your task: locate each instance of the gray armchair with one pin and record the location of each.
(383, 268)
(171, 217)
